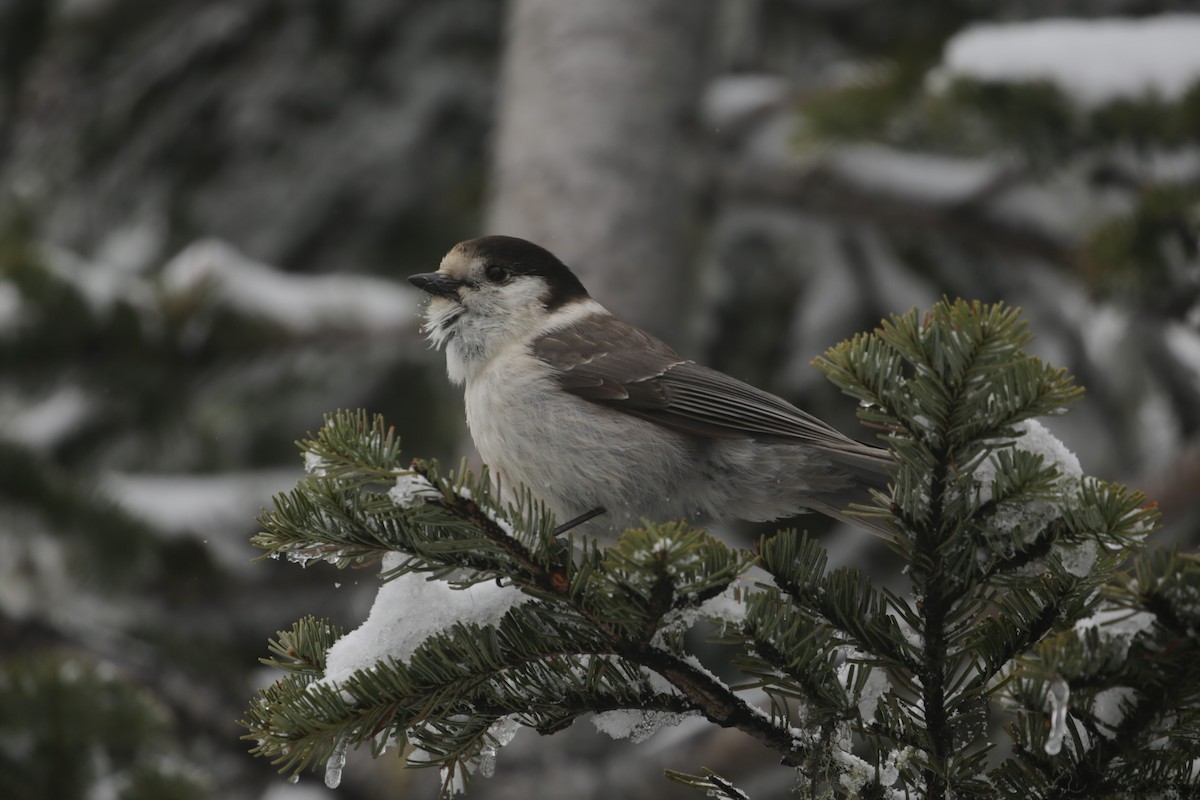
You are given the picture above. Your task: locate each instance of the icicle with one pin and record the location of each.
(500, 733)
(1058, 695)
(333, 767)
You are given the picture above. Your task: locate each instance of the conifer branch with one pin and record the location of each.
(706, 695)
(933, 601)
(1009, 552)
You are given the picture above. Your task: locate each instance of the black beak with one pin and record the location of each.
(435, 283)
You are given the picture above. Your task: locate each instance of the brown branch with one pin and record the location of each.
(717, 703)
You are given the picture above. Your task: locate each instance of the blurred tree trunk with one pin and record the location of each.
(595, 151)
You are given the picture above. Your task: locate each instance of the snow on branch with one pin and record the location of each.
(1093, 61)
(300, 304)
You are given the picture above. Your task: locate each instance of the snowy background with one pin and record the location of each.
(207, 211)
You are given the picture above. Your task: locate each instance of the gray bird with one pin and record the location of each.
(590, 412)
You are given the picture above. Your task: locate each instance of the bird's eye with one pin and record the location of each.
(495, 273)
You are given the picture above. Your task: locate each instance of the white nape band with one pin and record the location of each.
(569, 314)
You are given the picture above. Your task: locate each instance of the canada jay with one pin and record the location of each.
(591, 413)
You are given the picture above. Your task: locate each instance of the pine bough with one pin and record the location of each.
(1030, 616)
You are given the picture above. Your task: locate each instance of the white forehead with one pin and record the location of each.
(459, 263)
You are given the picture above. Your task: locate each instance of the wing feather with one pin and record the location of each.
(617, 365)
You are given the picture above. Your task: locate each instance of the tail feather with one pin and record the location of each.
(868, 468)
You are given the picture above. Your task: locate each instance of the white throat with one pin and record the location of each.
(478, 338)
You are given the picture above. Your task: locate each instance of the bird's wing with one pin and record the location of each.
(617, 365)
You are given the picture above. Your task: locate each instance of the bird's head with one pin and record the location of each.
(489, 292)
